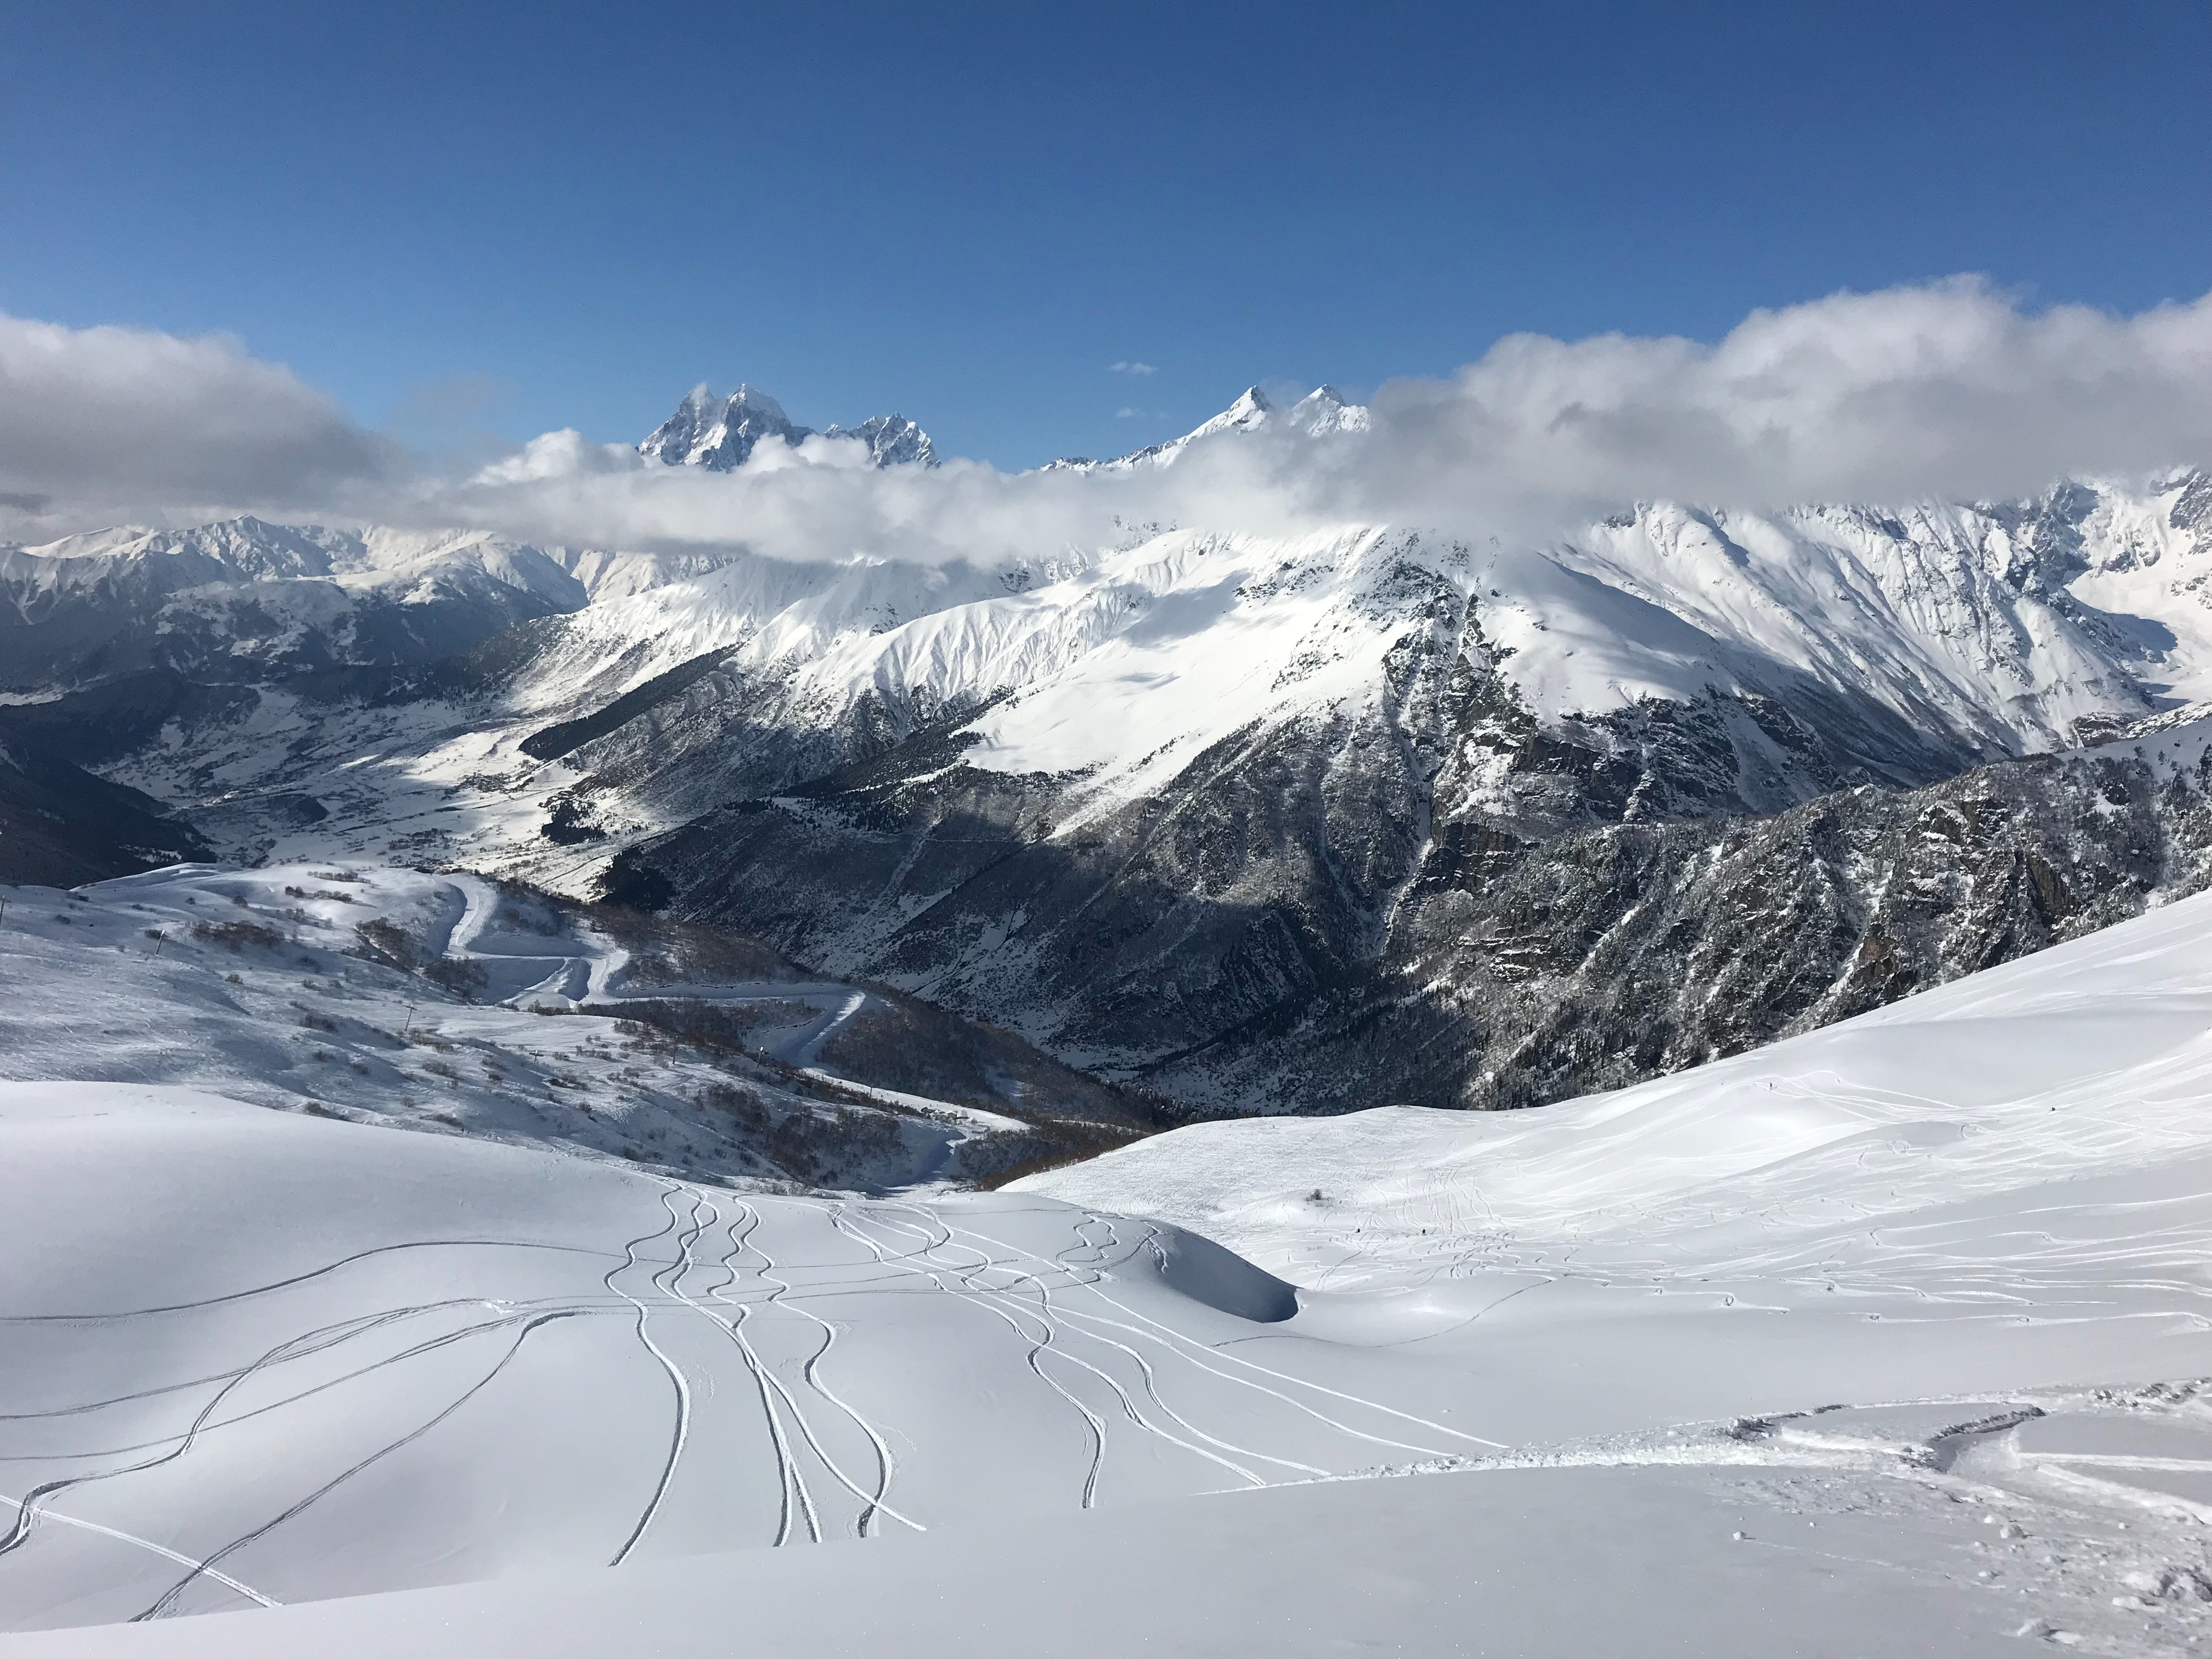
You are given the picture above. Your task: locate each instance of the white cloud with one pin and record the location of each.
(1945, 390)
(127, 421)
(1131, 368)
(564, 454)
(1126, 414)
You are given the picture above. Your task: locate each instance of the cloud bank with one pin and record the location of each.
(119, 421)
(1947, 390)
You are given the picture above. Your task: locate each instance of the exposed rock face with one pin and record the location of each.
(719, 432)
(1601, 957)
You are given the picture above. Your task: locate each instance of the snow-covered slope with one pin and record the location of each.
(389, 997)
(247, 599)
(1871, 1153)
(1152, 654)
(2136, 567)
(1891, 1338)
(724, 1370)
(1601, 1563)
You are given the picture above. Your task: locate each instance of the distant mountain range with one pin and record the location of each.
(1262, 823)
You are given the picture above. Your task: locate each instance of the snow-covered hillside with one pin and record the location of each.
(245, 599)
(389, 997)
(1893, 1334)
(1893, 1149)
(1216, 793)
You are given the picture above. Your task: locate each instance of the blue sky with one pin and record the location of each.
(511, 218)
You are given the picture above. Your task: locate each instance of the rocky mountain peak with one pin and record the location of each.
(1320, 412)
(720, 433)
(1248, 413)
(1325, 409)
(892, 440)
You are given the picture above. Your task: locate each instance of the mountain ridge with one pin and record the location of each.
(1198, 807)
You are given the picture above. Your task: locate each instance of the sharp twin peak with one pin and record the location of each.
(722, 432)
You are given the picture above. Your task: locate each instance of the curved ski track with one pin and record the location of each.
(754, 1272)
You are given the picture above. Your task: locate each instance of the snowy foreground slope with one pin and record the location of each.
(1891, 1338)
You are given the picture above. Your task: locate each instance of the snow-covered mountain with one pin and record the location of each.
(1167, 811)
(1196, 807)
(247, 599)
(719, 434)
(1320, 413)
(892, 440)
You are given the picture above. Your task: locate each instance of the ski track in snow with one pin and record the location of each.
(680, 1430)
(711, 1256)
(1055, 1317)
(852, 1228)
(168, 1602)
(1057, 1328)
(886, 1462)
(1109, 1364)
(162, 1550)
(791, 1479)
(1173, 1340)
(874, 1502)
